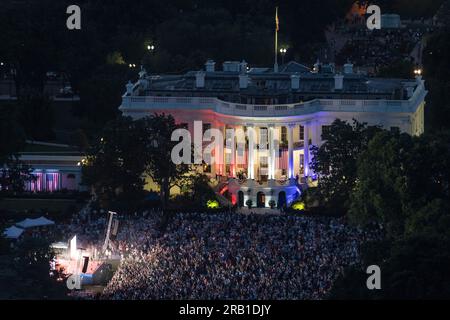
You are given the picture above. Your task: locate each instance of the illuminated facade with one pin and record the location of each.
(55, 167)
(295, 103)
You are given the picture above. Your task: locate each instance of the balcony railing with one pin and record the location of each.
(140, 103)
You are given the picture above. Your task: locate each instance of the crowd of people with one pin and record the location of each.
(233, 256)
(380, 49)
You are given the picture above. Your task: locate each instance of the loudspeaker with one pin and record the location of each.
(85, 264)
(103, 274)
(115, 227)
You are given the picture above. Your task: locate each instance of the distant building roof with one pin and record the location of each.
(263, 81)
(47, 148)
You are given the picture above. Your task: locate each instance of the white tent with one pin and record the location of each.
(38, 222)
(60, 245)
(13, 232)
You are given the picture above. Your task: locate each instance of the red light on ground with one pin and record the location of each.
(233, 199)
(223, 190)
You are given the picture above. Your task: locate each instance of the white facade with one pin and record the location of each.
(278, 175)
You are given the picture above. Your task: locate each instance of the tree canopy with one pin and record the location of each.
(402, 183)
(115, 162)
(335, 161)
(128, 150)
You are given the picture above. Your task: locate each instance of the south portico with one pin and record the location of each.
(276, 172)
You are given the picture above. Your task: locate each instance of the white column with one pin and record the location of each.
(224, 156)
(251, 151)
(306, 150)
(275, 150)
(290, 134)
(270, 153)
(230, 142)
(315, 139)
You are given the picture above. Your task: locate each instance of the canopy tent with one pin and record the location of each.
(32, 223)
(13, 232)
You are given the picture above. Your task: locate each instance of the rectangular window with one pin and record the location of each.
(301, 164)
(263, 162)
(263, 138)
(283, 135)
(301, 133)
(52, 182)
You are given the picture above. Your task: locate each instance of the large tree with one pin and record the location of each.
(27, 270)
(101, 94)
(14, 176)
(381, 187)
(412, 268)
(335, 161)
(13, 173)
(116, 161)
(127, 150)
(403, 183)
(436, 60)
(399, 176)
(158, 130)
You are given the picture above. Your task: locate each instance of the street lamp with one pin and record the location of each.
(418, 72)
(150, 47)
(283, 53)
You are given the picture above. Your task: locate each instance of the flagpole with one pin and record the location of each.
(275, 66)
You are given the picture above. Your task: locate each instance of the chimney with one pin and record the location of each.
(348, 68)
(200, 79)
(317, 66)
(210, 66)
(243, 66)
(243, 81)
(129, 87)
(231, 66)
(295, 82)
(338, 82)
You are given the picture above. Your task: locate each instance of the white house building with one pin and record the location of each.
(300, 103)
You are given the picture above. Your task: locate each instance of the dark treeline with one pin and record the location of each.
(34, 37)
(94, 60)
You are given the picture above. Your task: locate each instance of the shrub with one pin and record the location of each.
(298, 206)
(249, 203)
(272, 204)
(212, 204)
